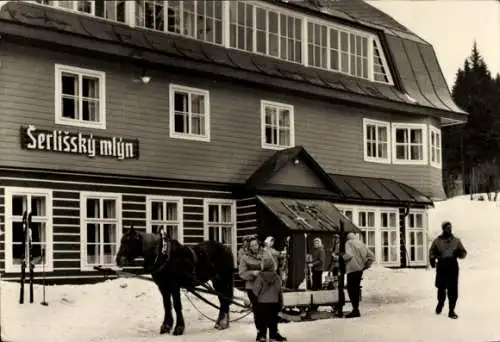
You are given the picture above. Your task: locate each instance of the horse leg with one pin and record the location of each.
(179, 325)
(168, 320)
(223, 318)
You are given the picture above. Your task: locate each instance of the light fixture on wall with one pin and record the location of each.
(145, 79)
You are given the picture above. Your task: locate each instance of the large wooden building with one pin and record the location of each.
(215, 119)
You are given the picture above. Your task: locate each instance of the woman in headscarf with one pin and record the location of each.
(271, 252)
(248, 270)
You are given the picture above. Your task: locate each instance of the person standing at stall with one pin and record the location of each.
(248, 270)
(318, 257)
(358, 258)
(271, 252)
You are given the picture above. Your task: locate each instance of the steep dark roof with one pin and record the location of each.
(342, 188)
(417, 69)
(308, 215)
(354, 11)
(414, 60)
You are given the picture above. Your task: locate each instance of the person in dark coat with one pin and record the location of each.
(267, 288)
(445, 250)
(318, 264)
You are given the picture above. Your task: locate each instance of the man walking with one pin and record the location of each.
(357, 258)
(445, 249)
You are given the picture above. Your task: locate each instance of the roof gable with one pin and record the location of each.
(292, 168)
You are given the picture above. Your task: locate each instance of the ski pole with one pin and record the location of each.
(44, 303)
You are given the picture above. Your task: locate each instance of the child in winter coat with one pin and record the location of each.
(267, 288)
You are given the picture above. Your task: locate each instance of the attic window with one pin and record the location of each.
(347, 51)
(379, 69)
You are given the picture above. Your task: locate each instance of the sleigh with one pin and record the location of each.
(295, 224)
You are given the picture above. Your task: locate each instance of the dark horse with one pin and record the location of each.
(174, 266)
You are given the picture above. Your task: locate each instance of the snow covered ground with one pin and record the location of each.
(398, 305)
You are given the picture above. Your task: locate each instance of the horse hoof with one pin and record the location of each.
(165, 329)
(223, 326)
(179, 330)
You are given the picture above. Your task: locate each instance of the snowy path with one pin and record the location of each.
(398, 305)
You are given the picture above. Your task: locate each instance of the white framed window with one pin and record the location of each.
(267, 30)
(277, 125)
(416, 238)
(347, 212)
(113, 10)
(409, 143)
(435, 146)
(253, 26)
(38, 202)
(389, 238)
(189, 113)
(317, 45)
(220, 222)
(198, 19)
(380, 231)
(80, 97)
(366, 222)
(100, 228)
(165, 212)
(345, 50)
(376, 140)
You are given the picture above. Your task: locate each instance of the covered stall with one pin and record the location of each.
(295, 223)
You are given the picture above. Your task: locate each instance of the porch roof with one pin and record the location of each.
(308, 215)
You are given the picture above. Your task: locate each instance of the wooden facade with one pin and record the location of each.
(209, 186)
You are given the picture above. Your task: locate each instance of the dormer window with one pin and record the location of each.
(113, 10)
(253, 26)
(347, 51)
(259, 29)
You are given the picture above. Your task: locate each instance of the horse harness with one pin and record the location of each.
(164, 254)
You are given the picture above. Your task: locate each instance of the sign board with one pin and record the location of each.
(78, 143)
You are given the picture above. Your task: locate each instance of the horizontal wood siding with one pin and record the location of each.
(246, 218)
(66, 216)
(66, 230)
(193, 220)
(332, 133)
(134, 211)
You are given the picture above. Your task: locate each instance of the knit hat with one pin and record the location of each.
(248, 238)
(445, 223)
(268, 240)
(267, 264)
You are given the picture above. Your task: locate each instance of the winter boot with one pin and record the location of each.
(353, 314)
(439, 308)
(277, 338)
(452, 315)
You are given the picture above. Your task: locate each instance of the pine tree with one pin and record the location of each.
(477, 93)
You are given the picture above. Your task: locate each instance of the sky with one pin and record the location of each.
(451, 26)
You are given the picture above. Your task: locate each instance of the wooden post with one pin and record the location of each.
(341, 303)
